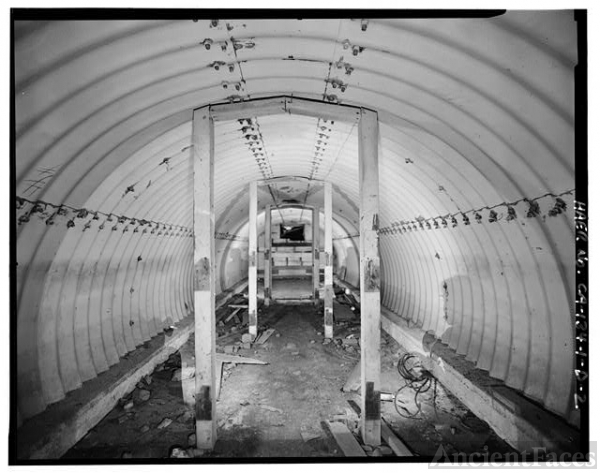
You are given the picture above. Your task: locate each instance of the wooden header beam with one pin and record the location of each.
(285, 105)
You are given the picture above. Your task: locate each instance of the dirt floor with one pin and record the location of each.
(278, 409)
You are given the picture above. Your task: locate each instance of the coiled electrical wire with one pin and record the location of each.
(420, 381)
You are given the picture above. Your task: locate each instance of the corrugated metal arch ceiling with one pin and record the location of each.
(473, 113)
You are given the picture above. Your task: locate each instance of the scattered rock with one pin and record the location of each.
(145, 428)
(247, 338)
(140, 385)
(278, 335)
(350, 341)
(123, 418)
(350, 349)
(376, 453)
(327, 341)
(185, 417)
(128, 405)
(126, 455)
(319, 333)
(183, 373)
(142, 395)
(178, 452)
(295, 353)
(307, 436)
(194, 452)
(367, 448)
(164, 423)
(385, 450)
(297, 373)
(237, 419)
(271, 409)
(148, 379)
(192, 440)
(312, 341)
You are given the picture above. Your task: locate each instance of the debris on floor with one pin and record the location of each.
(276, 409)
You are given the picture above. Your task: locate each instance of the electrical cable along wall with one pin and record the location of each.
(476, 175)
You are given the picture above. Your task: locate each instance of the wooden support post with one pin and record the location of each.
(267, 271)
(316, 254)
(370, 336)
(328, 246)
(252, 261)
(204, 278)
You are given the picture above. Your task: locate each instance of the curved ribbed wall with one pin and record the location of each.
(474, 114)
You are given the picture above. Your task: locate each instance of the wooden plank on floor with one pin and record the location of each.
(397, 446)
(264, 336)
(345, 440)
(387, 435)
(233, 314)
(222, 357)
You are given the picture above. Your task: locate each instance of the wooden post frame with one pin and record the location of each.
(204, 277)
(252, 260)
(328, 247)
(316, 258)
(204, 251)
(370, 310)
(267, 271)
